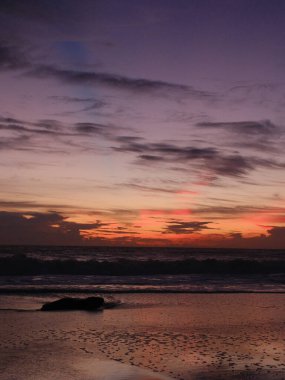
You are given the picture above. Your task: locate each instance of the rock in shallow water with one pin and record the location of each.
(68, 303)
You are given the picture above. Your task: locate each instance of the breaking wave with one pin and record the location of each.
(24, 265)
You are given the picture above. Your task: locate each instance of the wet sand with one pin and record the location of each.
(182, 336)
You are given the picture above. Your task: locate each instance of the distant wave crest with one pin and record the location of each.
(24, 265)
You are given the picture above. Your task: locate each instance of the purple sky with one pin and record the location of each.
(142, 122)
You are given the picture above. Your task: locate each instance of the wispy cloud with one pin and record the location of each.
(262, 136)
(236, 211)
(34, 135)
(210, 159)
(11, 58)
(149, 189)
(70, 99)
(87, 104)
(264, 128)
(262, 94)
(26, 205)
(116, 81)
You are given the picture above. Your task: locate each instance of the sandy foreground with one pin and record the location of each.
(147, 337)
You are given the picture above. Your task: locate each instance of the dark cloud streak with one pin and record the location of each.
(265, 128)
(11, 58)
(22, 133)
(180, 227)
(114, 81)
(206, 158)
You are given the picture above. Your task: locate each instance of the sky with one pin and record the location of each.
(142, 122)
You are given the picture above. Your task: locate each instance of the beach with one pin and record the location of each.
(146, 336)
(142, 171)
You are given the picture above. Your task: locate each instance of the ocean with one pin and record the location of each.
(139, 269)
(184, 314)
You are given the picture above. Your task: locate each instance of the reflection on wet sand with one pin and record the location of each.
(190, 337)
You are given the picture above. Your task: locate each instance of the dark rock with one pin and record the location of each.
(68, 303)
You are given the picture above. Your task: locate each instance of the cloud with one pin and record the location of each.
(265, 127)
(238, 210)
(23, 136)
(180, 227)
(128, 139)
(11, 58)
(205, 158)
(41, 228)
(22, 129)
(115, 81)
(268, 95)
(15, 143)
(91, 128)
(41, 207)
(32, 205)
(71, 99)
(156, 189)
(167, 149)
(34, 136)
(90, 104)
(149, 189)
(258, 135)
(275, 239)
(10, 120)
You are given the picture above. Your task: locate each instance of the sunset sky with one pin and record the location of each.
(142, 122)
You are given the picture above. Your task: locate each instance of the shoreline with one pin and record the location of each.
(178, 336)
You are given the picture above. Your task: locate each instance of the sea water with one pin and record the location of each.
(140, 269)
